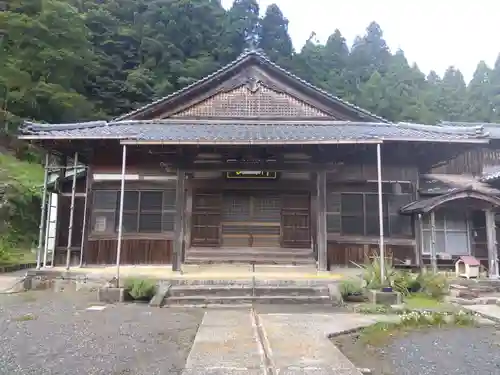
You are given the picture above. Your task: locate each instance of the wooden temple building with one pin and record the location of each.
(253, 164)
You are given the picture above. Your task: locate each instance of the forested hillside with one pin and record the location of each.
(67, 60)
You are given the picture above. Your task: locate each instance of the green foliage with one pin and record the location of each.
(63, 61)
(5, 251)
(82, 59)
(350, 287)
(140, 288)
(434, 285)
(372, 274)
(381, 333)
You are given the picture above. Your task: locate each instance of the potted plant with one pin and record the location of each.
(386, 288)
(352, 291)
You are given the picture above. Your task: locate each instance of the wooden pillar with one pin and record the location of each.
(179, 220)
(418, 226)
(433, 242)
(187, 220)
(492, 244)
(321, 227)
(87, 220)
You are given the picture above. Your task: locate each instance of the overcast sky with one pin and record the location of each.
(433, 33)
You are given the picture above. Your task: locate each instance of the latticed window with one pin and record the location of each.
(144, 211)
(353, 213)
(452, 233)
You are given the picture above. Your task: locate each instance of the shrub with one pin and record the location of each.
(350, 287)
(414, 286)
(140, 288)
(5, 250)
(401, 281)
(372, 274)
(433, 284)
(463, 318)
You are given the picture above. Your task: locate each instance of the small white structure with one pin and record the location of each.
(467, 266)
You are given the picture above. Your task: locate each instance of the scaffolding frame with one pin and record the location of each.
(45, 212)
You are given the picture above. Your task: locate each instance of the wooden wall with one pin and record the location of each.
(364, 172)
(342, 254)
(134, 251)
(473, 161)
(63, 215)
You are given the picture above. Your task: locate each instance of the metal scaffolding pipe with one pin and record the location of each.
(120, 217)
(71, 213)
(47, 228)
(84, 223)
(42, 213)
(59, 167)
(380, 214)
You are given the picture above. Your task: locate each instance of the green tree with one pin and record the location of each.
(451, 96)
(274, 38)
(242, 27)
(369, 53)
(45, 52)
(479, 106)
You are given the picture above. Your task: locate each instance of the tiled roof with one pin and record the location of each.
(492, 130)
(260, 56)
(491, 175)
(435, 183)
(429, 204)
(250, 132)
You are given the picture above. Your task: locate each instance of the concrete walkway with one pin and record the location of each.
(491, 312)
(10, 279)
(244, 342)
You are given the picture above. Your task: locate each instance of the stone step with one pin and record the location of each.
(245, 290)
(250, 252)
(225, 259)
(473, 289)
(236, 300)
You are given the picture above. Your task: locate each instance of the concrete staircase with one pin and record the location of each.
(276, 256)
(245, 294)
(466, 292)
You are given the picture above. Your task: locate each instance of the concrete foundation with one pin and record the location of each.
(385, 298)
(111, 295)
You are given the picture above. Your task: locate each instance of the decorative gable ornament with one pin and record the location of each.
(252, 84)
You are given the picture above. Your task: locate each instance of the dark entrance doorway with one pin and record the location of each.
(262, 219)
(251, 219)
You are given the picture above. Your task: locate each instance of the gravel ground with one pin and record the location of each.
(461, 351)
(54, 333)
(453, 351)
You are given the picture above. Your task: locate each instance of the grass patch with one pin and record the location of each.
(422, 301)
(25, 318)
(25, 173)
(18, 256)
(381, 333)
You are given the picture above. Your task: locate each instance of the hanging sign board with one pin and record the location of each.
(251, 175)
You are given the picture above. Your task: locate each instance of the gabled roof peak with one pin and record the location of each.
(259, 55)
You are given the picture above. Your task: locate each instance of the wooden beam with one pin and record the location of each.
(87, 221)
(433, 242)
(492, 244)
(321, 227)
(257, 166)
(179, 220)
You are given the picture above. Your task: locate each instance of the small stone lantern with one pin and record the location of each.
(468, 267)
